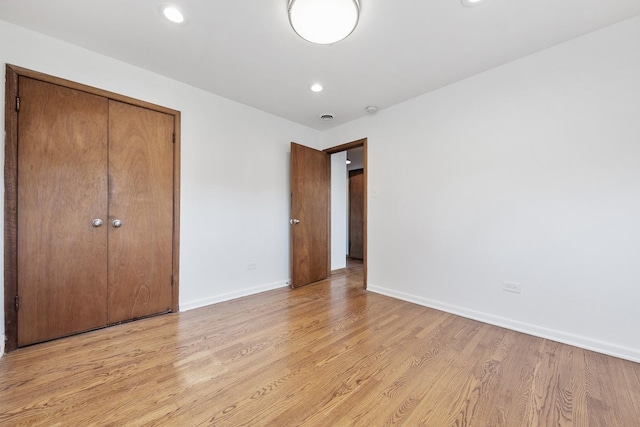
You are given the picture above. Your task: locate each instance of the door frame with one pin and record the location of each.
(13, 72)
(344, 147)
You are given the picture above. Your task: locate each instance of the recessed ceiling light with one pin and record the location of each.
(173, 14)
(316, 87)
(326, 117)
(471, 3)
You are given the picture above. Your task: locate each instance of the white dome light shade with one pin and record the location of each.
(173, 14)
(471, 3)
(324, 21)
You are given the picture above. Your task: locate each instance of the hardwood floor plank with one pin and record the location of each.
(513, 390)
(329, 354)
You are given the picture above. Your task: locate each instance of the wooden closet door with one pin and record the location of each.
(141, 197)
(356, 213)
(62, 188)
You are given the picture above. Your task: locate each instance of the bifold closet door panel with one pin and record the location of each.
(141, 199)
(62, 188)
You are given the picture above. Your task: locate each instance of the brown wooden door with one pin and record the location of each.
(310, 191)
(141, 197)
(62, 188)
(356, 213)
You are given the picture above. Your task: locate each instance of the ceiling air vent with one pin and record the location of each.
(327, 117)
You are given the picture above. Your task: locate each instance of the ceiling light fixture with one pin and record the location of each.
(324, 21)
(471, 3)
(173, 14)
(316, 87)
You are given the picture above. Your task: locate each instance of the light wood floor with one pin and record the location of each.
(329, 354)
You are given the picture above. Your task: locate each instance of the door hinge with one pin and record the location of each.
(17, 302)
(172, 281)
(17, 103)
(173, 138)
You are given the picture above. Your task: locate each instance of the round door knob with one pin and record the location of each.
(96, 222)
(117, 223)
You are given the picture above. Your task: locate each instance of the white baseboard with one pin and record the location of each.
(190, 305)
(527, 328)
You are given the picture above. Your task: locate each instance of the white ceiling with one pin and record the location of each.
(246, 50)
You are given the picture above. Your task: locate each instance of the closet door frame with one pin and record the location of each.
(13, 72)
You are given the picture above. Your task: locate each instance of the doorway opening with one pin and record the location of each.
(349, 207)
(310, 179)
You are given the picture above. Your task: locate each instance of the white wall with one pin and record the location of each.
(528, 173)
(339, 184)
(235, 169)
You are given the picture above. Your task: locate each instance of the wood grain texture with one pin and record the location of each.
(356, 214)
(310, 203)
(141, 196)
(10, 209)
(175, 293)
(328, 354)
(90, 89)
(13, 73)
(62, 188)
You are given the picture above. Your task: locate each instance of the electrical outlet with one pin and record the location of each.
(252, 266)
(516, 288)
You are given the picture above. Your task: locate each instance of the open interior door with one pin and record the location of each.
(310, 215)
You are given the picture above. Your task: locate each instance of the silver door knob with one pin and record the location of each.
(294, 221)
(116, 223)
(96, 222)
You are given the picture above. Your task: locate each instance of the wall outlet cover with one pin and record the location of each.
(512, 287)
